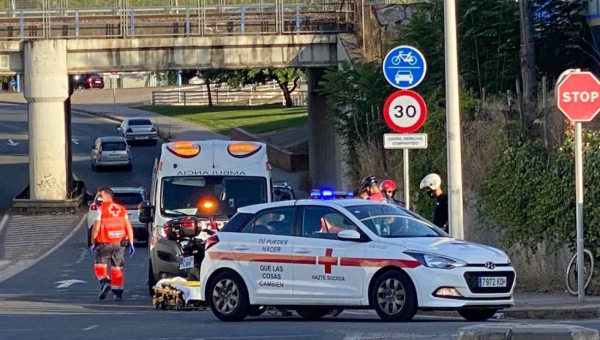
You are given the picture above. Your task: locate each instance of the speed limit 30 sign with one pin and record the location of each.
(405, 111)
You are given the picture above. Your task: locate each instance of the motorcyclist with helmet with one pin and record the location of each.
(369, 185)
(432, 184)
(388, 189)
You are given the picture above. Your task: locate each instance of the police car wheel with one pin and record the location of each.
(312, 313)
(393, 296)
(229, 297)
(477, 314)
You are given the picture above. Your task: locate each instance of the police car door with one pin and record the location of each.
(324, 266)
(263, 248)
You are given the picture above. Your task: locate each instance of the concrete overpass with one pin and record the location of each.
(46, 61)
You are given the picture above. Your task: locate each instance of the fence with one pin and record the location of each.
(55, 19)
(227, 97)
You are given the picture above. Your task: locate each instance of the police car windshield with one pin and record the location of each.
(392, 221)
(183, 195)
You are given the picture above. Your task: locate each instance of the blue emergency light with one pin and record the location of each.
(328, 194)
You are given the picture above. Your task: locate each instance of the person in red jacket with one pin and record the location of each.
(111, 233)
(369, 184)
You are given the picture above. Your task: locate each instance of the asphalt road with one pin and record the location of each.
(32, 306)
(85, 129)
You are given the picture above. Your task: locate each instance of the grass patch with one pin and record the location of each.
(254, 119)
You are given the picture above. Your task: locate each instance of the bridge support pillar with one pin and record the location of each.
(46, 89)
(326, 168)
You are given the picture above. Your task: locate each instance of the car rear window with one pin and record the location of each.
(114, 146)
(96, 75)
(130, 200)
(137, 122)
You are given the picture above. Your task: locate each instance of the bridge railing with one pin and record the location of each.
(203, 19)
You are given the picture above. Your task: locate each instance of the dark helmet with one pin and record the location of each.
(368, 181)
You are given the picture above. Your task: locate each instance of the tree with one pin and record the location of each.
(284, 77)
(528, 70)
(214, 77)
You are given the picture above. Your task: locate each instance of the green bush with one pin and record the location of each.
(530, 193)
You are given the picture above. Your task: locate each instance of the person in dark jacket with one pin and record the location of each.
(432, 185)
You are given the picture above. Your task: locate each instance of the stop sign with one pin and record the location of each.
(578, 96)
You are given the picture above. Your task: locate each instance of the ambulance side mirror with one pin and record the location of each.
(349, 235)
(146, 212)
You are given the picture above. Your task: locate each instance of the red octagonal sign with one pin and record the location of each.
(578, 96)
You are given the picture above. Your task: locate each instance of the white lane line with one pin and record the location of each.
(28, 265)
(82, 256)
(90, 328)
(3, 222)
(353, 336)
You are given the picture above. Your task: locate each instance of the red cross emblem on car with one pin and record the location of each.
(114, 210)
(328, 260)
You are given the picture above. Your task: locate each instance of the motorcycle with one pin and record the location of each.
(184, 232)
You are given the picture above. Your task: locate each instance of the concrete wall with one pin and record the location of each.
(160, 54)
(283, 159)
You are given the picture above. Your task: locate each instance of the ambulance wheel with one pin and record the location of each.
(151, 279)
(312, 313)
(393, 296)
(257, 310)
(229, 297)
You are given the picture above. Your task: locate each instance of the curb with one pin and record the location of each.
(548, 313)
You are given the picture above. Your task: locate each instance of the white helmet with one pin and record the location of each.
(433, 181)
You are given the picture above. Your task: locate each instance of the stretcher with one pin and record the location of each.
(179, 294)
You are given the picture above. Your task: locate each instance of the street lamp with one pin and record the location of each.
(453, 134)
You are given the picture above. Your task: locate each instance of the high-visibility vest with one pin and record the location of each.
(113, 228)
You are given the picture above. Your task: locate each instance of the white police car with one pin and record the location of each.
(322, 254)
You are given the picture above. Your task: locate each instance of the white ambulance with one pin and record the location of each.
(205, 179)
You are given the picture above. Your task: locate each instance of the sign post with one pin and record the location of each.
(578, 98)
(114, 75)
(405, 112)
(404, 67)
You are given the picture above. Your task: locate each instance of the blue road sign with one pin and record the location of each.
(13, 83)
(404, 67)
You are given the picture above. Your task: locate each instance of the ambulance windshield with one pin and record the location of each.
(185, 195)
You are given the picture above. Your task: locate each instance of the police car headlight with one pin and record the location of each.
(436, 261)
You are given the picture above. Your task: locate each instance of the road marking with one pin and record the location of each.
(11, 143)
(82, 256)
(30, 263)
(76, 141)
(90, 328)
(353, 336)
(68, 283)
(3, 222)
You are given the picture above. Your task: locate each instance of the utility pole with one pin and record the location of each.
(453, 134)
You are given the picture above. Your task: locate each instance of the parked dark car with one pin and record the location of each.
(88, 81)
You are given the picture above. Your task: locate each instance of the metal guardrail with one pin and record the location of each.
(219, 97)
(199, 19)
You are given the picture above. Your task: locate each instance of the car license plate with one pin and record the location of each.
(113, 156)
(186, 262)
(485, 282)
(142, 137)
(97, 81)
